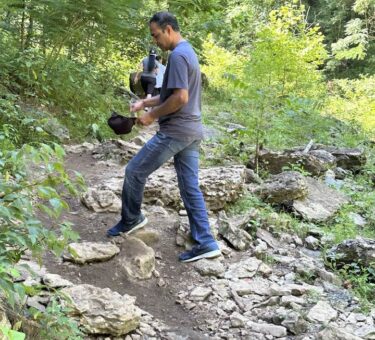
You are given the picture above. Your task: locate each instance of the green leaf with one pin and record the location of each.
(59, 151)
(46, 192)
(12, 334)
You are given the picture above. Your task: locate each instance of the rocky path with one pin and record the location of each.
(270, 286)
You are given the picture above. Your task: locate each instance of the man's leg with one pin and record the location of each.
(153, 154)
(187, 163)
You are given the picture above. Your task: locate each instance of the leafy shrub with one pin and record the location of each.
(353, 101)
(29, 178)
(220, 66)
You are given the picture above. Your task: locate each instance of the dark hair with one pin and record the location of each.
(151, 60)
(162, 19)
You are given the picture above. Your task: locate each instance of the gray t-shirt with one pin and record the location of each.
(183, 72)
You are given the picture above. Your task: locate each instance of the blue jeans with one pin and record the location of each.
(155, 153)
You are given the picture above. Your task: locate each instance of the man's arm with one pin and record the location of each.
(174, 102)
(150, 102)
(143, 103)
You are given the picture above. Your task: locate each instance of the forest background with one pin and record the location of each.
(288, 71)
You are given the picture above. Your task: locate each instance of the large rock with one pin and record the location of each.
(101, 200)
(268, 329)
(316, 161)
(80, 148)
(56, 281)
(267, 237)
(220, 186)
(359, 250)
(322, 312)
(336, 333)
(284, 187)
(103, 311)
(233, 229)
(247, 268)
(276, 162)
(86, 252)
(256, 285)
(295, 323)
(118, 149)
(348, 158)
(137, 259)
(210, 268)
(31, 273)
(321, 202)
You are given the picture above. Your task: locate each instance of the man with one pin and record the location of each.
(178, 110)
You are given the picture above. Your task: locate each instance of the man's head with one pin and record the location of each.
(165, 30)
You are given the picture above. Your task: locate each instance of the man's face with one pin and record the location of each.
(161, 38)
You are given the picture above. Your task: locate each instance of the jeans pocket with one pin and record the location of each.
(162, 135)
(159, 143)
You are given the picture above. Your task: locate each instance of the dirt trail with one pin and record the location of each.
(159, 301)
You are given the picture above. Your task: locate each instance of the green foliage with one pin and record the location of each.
(55, 323)
(349, 28)
(277, 87)
(28, 181)
(285, 57)
(298, 168)
(352, 101)
(23, 125)
(362, 282)
(357, 35)
(360, 191)
(267, 217)
(241, 20)
(283, 67)
(220, 66)
(12, 334)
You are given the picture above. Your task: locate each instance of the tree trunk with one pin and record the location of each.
(22, 29)
(29, 32)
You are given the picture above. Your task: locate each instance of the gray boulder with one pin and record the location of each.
(336, 333)
(284, 187)
(219, 185)
(348, 158)
(359, 250)
(233, 229)
(321, 202)
(86, 252)
(137, 259)
(103, 311)
(276, 162)
(101, 200)
(117, 149)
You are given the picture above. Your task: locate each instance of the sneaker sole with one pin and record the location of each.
(138, 226)
(209, 255)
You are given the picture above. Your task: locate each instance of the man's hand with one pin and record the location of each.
(137, 106)
(146, 119)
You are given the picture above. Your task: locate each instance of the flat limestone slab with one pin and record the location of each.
(321, 202)
(86, 252)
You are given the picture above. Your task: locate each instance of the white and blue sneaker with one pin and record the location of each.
(120, 228)
(200, 252)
